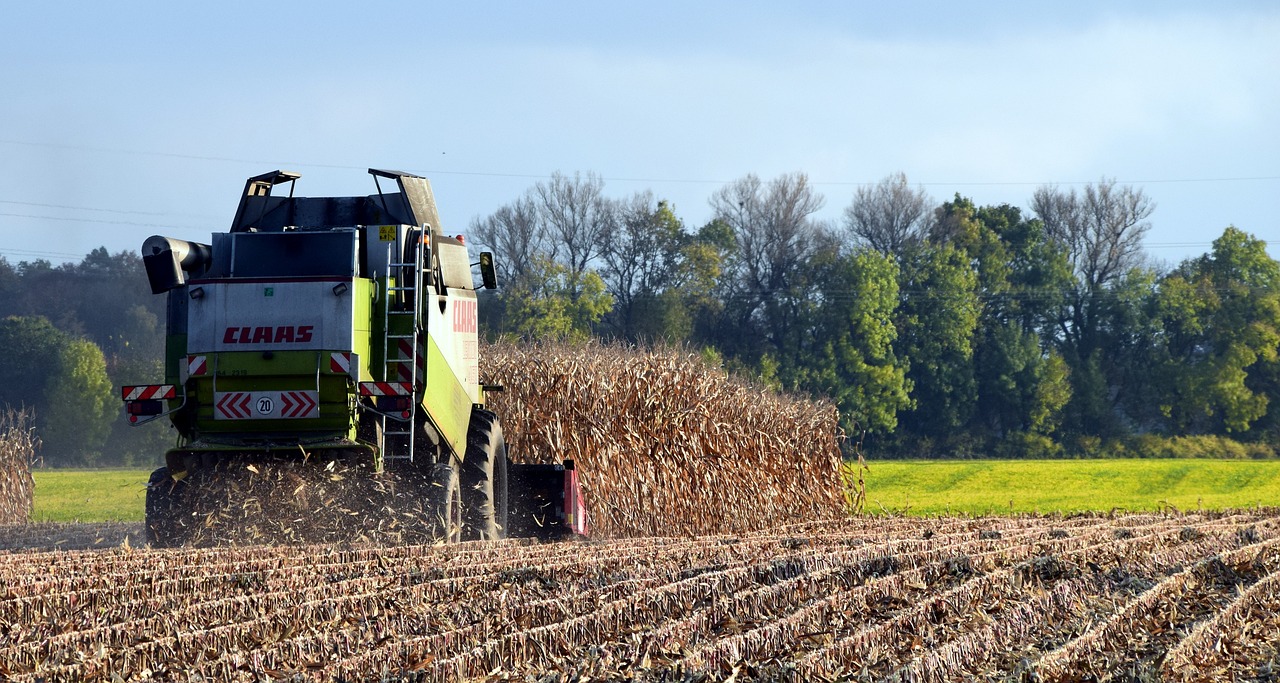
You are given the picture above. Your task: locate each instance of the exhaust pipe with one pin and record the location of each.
(168, 261)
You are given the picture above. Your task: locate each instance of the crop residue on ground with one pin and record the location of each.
(1141, 597)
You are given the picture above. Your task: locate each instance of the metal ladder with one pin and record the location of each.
(403, 302)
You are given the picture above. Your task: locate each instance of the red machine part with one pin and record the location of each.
(575, 508)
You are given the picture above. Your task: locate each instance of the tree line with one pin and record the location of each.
(937, 328)
(70, 336)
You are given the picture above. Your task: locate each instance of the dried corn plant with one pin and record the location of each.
(18, 445)
(664, 443)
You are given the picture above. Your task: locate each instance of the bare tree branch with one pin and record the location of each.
(774, 229)
(889, 215)
(1101, 228)
(577, 214)
(515, 234)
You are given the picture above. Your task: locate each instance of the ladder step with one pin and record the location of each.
(404, 298)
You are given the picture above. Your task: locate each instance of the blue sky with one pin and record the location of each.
(124, 120)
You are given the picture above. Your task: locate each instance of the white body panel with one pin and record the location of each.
(454, 330)
(261, 315)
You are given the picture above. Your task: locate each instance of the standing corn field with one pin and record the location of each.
(17, 451)
(666, 444)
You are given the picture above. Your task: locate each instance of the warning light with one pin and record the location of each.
(392, 404)
(145, 407)
(460, 239)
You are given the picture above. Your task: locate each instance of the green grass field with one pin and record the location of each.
(973, 487)
(978, 487)
(90, 495)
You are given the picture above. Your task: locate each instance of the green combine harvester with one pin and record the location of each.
(344, 327)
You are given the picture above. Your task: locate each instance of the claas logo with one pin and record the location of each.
(464, 316)
(283, 334)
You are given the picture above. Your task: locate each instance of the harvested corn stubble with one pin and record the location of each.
(854, 599)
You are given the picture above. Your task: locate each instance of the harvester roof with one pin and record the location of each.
(261, 211)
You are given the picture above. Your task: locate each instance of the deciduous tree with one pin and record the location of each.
(516, 235)
(63, 379)
(643, 260)
(80, 405)
(937, 318)
(850, 349)
(1101, 230)
(1221, 315)
(554, 303)
(576, 215)
(1021, 380)
(775, 235)
(888, 216)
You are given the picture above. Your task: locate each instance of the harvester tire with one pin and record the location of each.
(484, 479)
(444, 497)
(164, 528)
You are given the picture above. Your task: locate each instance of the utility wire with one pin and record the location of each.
(495, 174)
(90, 220)
(81, 208)
(23, 253)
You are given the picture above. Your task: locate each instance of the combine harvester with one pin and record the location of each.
(337, 330)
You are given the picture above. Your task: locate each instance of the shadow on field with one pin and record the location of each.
(71, 536)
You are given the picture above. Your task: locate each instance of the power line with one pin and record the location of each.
(90, 220)
(169, 155)
(81, 208)
(1086, 182)
(39, 254)
(496, 174)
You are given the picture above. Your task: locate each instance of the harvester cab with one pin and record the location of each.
(343, 326)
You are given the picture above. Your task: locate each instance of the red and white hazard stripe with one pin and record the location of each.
(386, 388)
(197, 365)
(145, 392)
(340, 363)
(402, 368)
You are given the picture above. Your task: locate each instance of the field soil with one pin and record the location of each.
(1192, 597)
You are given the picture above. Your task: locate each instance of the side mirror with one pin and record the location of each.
(487, 274)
